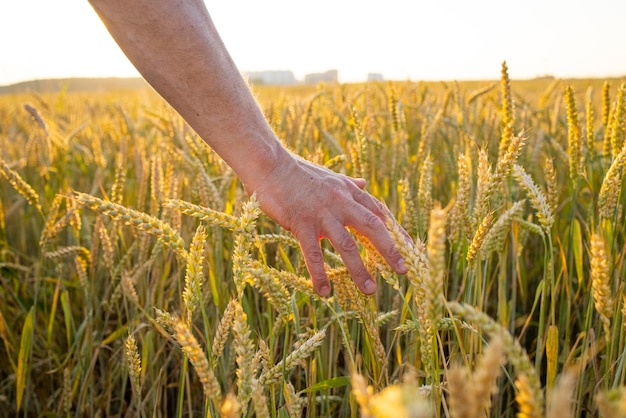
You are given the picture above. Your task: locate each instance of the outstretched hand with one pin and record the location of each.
(177, 49)
(313, 203)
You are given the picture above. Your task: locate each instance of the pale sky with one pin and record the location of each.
(417, 40)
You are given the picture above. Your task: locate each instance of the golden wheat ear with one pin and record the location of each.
(199, 361)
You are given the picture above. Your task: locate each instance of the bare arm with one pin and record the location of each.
(175, 46)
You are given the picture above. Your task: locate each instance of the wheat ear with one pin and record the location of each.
(198, 359)
(526, 402)
(516, 355)
(609, 191)
(601, 288)
(20, 185)
(142, 221)
(221, 335)
(573, 135)
(293, 359)
(134, 364)
(537, 198)
(244, 348)
(194, 274)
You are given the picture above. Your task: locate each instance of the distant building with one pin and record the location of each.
(375, 77)
(330, 76)
(271, 77)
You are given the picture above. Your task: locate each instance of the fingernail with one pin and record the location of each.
(401, 267)
(369, 286)
(324, 290)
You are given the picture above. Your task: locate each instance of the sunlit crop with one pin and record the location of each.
(138, 278)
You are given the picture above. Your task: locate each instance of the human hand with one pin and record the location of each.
(313, 203)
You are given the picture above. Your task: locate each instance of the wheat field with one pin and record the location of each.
(138, 278)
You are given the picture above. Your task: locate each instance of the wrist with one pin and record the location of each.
(268, 158)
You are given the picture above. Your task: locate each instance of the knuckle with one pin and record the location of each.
(377, 204)
(347, 244)
(393, 253)
(372, 221)
(318, 278)
(316, 257)
(360, 274)
(338, 191)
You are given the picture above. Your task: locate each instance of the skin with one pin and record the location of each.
(177, 49)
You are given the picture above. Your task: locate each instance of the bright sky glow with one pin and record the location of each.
(409, 39)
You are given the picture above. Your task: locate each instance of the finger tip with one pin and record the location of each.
(401, 267)
(360, 182)
(323, 290)
(369, 287)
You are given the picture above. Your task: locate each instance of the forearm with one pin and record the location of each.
(176, 48)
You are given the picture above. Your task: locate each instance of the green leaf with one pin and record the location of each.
(335, 382)
(23, 359)
(577, 245)
(115, 335)
(67, 314)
